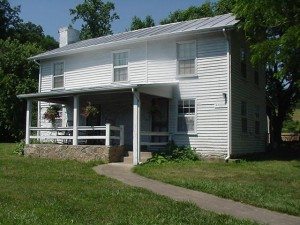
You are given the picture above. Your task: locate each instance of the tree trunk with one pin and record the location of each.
(277, 124)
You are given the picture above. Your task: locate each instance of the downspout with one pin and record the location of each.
(229, 147)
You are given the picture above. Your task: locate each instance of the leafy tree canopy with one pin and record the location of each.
(138, 23)
(18, 41)
(273, 30)
(206, 9)
(97, 17)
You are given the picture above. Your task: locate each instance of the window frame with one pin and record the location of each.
(193, 132)
(244, 117)
(243, 62)
(194, 42)
(61, 75)
(257, 119)
(123, 66)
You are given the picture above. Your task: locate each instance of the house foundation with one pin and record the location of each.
(82, 153)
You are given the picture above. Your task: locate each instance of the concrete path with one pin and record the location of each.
(122, 172)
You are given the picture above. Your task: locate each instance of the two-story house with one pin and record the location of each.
(190, 82)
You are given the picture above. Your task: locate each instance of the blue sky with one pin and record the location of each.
(52, 14)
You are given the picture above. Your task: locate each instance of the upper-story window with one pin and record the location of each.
(243, 63)
(58, 75)
(186, 55)
(186, 116)
(120, 66)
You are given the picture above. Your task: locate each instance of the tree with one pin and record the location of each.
(138, 23)
(193, 12)
(97, 17)
(273, 31)
(17, 76)
(18, 41)
(9, 18)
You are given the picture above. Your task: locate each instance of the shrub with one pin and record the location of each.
(19, 149)
(172, 152)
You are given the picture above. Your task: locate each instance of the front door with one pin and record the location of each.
(159, 118)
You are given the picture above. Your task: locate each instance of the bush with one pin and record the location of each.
(19, 149)
(291, 126)
(175, 153)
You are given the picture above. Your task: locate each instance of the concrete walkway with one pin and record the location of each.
(122, 172)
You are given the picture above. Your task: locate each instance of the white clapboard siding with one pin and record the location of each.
(46, 76)
(246, 90)
(207, 89)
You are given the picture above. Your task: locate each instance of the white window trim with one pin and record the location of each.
(63, 75)
(177, 60)
(123, 66)
(194, 132)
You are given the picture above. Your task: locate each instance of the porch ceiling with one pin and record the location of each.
(158, 89)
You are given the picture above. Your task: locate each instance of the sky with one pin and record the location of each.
(52, 14)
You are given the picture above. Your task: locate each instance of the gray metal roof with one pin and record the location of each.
(209, 23)
(83, 91)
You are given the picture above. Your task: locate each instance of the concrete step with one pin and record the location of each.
(129, 160)
(143, 154)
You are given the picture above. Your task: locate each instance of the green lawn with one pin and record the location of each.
(271, 184)
(41, 191)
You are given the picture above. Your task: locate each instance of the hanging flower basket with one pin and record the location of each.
(89, 110)
(52, 113)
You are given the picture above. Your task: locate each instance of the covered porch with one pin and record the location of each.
(134, 116)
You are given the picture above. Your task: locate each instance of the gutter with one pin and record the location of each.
(229, 102)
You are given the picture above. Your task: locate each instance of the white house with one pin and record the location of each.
(190, 82)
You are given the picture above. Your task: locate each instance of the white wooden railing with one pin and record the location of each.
(156, 134)
(106, 135)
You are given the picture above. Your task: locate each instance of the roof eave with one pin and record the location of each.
(130, 41)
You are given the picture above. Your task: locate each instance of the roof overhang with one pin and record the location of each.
(158, 89)
(130, 41)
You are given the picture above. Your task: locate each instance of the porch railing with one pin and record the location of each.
(107, 133)
(151, 134)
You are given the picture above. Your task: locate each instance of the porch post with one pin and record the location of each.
(28, 121)
(121, 135)
(107, 134)
(75, 119)
(136, 127)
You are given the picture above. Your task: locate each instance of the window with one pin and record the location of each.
(256, 78)
(186, 116)
(243, 63)
(257, 122)
(58, 75)
(186, 55)
(120, 66)
(244, 121)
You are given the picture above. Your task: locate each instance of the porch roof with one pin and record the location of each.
(112, 88)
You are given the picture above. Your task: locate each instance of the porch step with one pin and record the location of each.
(144, 157)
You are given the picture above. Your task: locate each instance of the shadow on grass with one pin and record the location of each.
(289, 151)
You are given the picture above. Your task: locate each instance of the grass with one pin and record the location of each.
(271, 184)
(41, 191)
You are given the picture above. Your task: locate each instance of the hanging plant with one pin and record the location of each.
(89, 110)
(52, 113)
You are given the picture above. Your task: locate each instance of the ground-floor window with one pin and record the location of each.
(244, 120)
(186, 115)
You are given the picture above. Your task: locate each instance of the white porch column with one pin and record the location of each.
(75, 119)
(28, 121)
(107, 134)
(136, 127)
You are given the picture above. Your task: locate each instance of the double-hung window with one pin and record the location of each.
(243, 63)
(186, 55)
(244, 121)
(58, 75)
(257, 121)
(256, 77)
(120, 62)
(186, 116)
